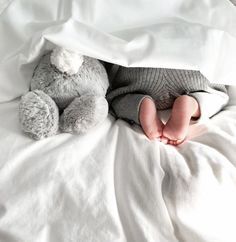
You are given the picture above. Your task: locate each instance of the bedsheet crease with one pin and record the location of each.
(178, 34)
(114, 185)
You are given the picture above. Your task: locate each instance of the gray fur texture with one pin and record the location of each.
(80, 98)
(83, 113)
(39, 115)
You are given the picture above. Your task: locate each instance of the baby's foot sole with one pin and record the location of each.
(177, 126)
(173, 137)
(150, 122)
(175, 131)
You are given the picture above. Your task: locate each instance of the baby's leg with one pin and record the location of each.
(149, 120)
(175, 131)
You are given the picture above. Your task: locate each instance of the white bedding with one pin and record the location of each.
(113, 184)
(199, 35)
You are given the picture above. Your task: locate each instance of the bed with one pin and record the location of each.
(112, 184)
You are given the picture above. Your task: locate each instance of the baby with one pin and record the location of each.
(136, 95)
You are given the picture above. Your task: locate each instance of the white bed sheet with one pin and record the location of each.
(113, 184)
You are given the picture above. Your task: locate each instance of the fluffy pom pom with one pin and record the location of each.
(66, 61)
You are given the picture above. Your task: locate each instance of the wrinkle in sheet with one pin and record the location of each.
(127, 30)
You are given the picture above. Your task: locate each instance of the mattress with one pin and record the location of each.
(113, 184)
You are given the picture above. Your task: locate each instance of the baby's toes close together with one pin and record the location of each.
(174, 134)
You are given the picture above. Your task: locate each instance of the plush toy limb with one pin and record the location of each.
(84, 113)
(39, 115)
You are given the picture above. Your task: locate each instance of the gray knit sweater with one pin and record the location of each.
(128, 87)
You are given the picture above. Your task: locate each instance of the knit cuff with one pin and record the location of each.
(210, 103)
(127, 106)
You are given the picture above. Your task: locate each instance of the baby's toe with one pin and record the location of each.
(153, 133)
(178, 142)
(164, 140)
(175, 142)
(171, 142)
(174, 134)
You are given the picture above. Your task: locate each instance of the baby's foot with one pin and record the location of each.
(176, 129)
(150, 122)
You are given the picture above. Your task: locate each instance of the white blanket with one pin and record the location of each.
(113, 184)
(199, 35)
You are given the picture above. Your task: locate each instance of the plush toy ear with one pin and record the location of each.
(66, 60)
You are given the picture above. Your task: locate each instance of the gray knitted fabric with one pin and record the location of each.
(128, 86)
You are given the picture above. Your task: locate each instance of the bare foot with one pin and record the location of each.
(150, 122)
(176, 129)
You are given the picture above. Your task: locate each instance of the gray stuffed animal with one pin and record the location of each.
(67, 84)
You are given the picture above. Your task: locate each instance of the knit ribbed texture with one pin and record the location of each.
(163, 85)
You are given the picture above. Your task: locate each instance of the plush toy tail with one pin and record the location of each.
(66, 61)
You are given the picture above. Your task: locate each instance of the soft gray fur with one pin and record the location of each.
(80, 98)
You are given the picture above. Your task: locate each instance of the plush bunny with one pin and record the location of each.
(67, 92)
